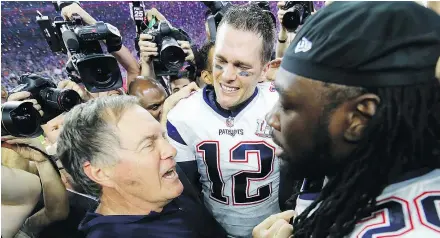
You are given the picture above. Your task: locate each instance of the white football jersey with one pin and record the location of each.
(235, 156)
(408, 209)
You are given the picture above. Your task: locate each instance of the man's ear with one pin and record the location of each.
(206, 77)
(362, 109)
(264, 73)
(101, 176)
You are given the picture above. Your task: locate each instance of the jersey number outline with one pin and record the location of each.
(395, 215)
(241, 180)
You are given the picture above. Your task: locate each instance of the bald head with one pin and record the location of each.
(151, 95)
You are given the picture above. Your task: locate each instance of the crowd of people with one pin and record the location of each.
(25, 50)
(267, 130)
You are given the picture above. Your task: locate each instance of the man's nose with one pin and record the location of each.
(272, 118)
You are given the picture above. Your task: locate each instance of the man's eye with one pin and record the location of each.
(244, 73)
(218, 66)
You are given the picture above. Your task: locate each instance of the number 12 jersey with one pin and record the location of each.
(235, 156)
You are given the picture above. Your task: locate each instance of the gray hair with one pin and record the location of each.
(252, 18)
(89, 135)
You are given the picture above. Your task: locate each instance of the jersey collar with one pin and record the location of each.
(210, 99)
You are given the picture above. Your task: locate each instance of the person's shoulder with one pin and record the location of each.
(96, 226)
(267, 89)
(187, 107)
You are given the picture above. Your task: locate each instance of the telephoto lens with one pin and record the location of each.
(171, 55)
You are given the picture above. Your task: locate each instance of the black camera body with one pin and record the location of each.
(296, 15)
(171, 56)
(53, 101)
(88, 64)
(218, 10)
(20, 119)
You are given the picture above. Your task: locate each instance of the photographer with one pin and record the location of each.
(285, 36)
(21, 191)
(114, 46)
(148, 49)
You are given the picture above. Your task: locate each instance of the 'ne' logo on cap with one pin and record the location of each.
(303, 45)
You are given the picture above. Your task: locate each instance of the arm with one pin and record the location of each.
(282, 46)
(126, 59)
(284, 37)
(20, 192)
(147, 50)
(173, 99)
(54, 193)
(56, 203)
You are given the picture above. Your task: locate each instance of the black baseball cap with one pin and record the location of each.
(369, 44)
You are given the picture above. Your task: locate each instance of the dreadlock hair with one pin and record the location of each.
(403, 135)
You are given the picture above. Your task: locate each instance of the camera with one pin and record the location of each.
(264, 5)
(88, 64)
(171, 57)
(53, 101)
(170, 54)
(218, 10)
(297, 13)
(20, 119)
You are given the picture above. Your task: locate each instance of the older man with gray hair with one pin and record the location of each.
(119, 153)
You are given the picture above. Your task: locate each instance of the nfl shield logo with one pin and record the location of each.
(230, 122)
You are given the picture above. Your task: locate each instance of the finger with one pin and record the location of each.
(41, 112)
(149, 53)
(37, 107)
(5, 138)
(63, 84)
(18, 141)
(19, 96)
(285, 231)
(281, 4)
(158, 15)
(273, 230)
(193, 86)
(148, 49)
(27, 152)
(145, 37)
(147, 44)
(287, 215)
(184, 44)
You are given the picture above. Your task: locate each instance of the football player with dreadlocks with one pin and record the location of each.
(360, 104)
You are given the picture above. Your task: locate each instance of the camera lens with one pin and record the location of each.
(292, 18)
(60, 99)
(171, 55)
(99, 73)
(20, 119)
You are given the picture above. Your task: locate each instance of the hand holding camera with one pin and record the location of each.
(293, 14)
(147, 48)
(186, 47)
(70, 85)
(34, 142)
(22, 96)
